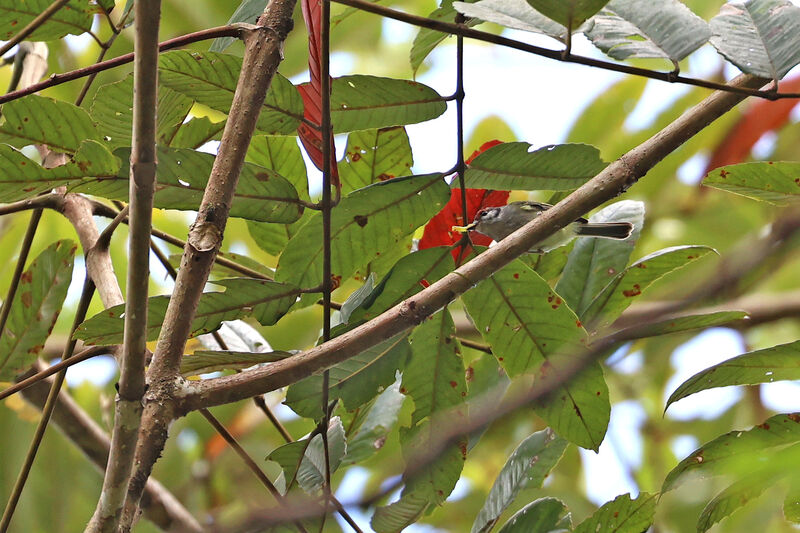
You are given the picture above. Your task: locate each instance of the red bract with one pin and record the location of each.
(312, 92)
(485, 146)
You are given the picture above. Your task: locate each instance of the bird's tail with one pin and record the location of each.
(609, 230)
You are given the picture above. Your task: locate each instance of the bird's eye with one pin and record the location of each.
(482, 213)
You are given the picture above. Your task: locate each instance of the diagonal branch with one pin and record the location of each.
(613, 180)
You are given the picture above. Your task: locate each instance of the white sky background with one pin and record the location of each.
(540, 98)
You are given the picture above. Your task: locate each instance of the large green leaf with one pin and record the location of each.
(304, 460)
(375, 155)
(634, 280)
(527, 466)
(515, 166)
(74, 18)
(778, 363)
(678, 324)
(182, 175)
(354, 381)
(623, 515)
(273, 238)
(545, 515)
(428, 39)
(365, 224)
(112, 110)
(719, 456)
(774, 182)
(759, 36)
(204, 361)
(632, 28)
(281, 154)
(568, 13)
(36, 119)
(35, 308)
(21, 177)
(434, 375)
(362, 102)
(197, 132)
(532, 330)
(369, 435)
(593, 263)
(210, 79)
(517, 14)
(266, 301)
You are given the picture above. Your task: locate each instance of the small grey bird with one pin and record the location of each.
(500, 222)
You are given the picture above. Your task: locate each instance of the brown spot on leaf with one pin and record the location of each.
(453, 384)
(641, 265)
(764, 426)
(794, 417)
(635, 291)
(27, 298)
(403, 390)
(361, 220)
(723, 173)
(26, 277)
(355, 156)
(469, 373)
(383, 176)
(578, 323)
(336, 281)
(516, 275)
(262, 176)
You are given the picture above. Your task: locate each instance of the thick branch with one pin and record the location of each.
(615, 179)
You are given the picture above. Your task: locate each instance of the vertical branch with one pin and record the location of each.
(459, 97)
(142, 187)
(263, 53)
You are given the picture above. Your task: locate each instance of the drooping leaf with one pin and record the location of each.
(182, 175)
(545, 515)
(515, 166)
(527, 466)
(354, 381)
(366, 223)
(35, 308)
(686, 323)
(197, 132)
(375, 155)
(75, 18)
(204, 361)
(210, 79)
(248, 12)
(266, 301)
(568, 13)
(427, 39)
(761, 366)
(634, 280)
(532, 330)
(593, 263)
(758, 36)
(282, 155)
(517, 14)
(434, 376)
(112, 108)
(370, 434)
(21, 177)
(36, 119)
(632, 28)
(304, 460)
(623, 515)
(774, 182)
(747, 447)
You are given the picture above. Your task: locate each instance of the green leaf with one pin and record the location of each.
(593, 263)
(112, 109)
(515, 166)
(204, 361)
(266, 301)
(568, 13)
(603, 118)
(737, 450)
(774, 182)
(35, 308)
(632, 28)
(545, 515)
(370, 434)
(634, 280)
(685, 323)
(532, 330)
(516, 14)
(248, 12)
(21, 177)
(527, 466)
(210, 79)
(365, 224)
(362, 102)
(36, 119)
(791, 505)
(273, 238)
(778, 363)
(427, 39)
(310, 456)
(622, 515)
(758, 36)
(354, 381)
(182, 175)
(74, 18)
(434, 375)
(375, 155)
(197, 132)
(281, 154)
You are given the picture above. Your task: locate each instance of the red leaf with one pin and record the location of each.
(485, 146)
(761, 116)
(312, 92)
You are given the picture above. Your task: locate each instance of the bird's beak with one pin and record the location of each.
(464, 229)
